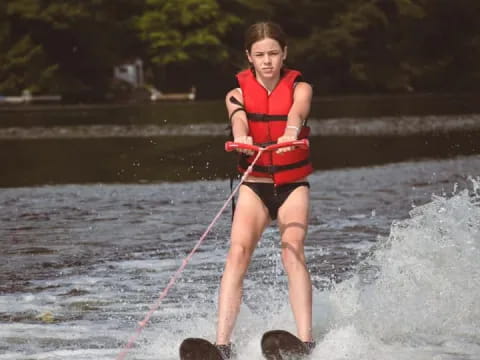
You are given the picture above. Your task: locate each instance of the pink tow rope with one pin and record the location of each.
(229, 146)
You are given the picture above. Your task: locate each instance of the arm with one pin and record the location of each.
(302, 98)
(238, 118)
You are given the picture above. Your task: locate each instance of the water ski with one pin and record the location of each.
(280, 344)
(199, 349)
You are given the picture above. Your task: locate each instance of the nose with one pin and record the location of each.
(267, 59)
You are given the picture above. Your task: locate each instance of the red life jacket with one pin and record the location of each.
(267, 119)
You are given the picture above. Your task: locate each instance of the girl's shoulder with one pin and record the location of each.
(235, 96)
(235, 91)
(302, 88)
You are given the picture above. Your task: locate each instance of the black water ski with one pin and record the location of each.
(199, 349)
(282, 345)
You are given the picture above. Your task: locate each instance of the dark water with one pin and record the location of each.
(180, 158)
(184, 141)
(180, 113)
(395, 270)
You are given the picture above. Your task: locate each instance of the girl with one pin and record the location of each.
(270, 105)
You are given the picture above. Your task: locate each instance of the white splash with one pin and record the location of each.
(417, 296)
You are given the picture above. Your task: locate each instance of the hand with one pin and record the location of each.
(286, 138)
(244, 140)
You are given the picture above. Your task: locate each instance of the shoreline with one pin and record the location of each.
(376, 126)
(316, 100)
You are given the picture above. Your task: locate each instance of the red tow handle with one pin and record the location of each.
(231, 146)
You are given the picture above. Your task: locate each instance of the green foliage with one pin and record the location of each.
(58, 14)
(73, 45)
(342, 46)
(185, 30)
(394, 45)
(23, 63)
(24, 66)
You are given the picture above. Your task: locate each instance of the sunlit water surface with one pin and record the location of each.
(393, 251)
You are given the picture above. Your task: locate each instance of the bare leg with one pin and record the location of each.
(250, 219)
(293, 223)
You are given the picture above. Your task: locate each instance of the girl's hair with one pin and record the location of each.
(262, 30)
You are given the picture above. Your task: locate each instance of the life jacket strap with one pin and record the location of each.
(266, 117)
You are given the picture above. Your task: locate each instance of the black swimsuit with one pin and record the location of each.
(273, 197)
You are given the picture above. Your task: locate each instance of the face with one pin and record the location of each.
(267, 57)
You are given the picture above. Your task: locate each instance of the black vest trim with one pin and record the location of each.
(266, 117)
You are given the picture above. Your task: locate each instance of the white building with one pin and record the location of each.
(131, 73)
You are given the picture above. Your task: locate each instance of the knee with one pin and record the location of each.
(293, 257)
(239, 255)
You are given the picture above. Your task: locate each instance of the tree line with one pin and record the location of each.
(342, 47)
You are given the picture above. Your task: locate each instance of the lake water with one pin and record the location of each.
(393, 244)
(81, 265)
